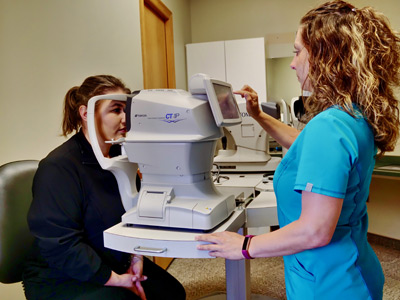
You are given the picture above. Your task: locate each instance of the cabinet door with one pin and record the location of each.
(245, 64)
(208, 58)
(238, 62)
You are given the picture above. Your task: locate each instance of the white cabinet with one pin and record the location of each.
(208, 58)
(238, 62)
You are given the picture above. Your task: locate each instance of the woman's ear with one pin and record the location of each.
(83, 112)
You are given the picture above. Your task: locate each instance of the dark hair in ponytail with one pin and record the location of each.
(80, 95)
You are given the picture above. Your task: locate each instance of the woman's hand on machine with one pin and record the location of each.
(222, 244)
(251, 100)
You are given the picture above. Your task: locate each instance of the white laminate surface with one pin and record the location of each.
(164, 242)
(262, 211)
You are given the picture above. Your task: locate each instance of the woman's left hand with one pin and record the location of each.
(222, 244)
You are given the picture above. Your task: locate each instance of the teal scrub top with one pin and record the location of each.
(334, 155)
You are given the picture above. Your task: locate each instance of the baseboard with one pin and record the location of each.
(383, 241)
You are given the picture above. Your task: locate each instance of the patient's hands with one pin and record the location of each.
(136, 269)
(132, 279)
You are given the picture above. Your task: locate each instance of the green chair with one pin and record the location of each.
(15, 198)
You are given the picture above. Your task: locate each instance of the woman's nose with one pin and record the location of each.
(292, 65)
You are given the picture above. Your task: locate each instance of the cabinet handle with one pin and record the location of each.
(149, 250)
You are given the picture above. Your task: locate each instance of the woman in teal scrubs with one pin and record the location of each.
(349, 59)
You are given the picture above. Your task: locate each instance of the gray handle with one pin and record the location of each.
(149, 250)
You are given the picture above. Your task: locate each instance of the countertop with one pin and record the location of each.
(387, 166)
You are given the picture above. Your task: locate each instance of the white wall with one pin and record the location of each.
(276, 20)
(282, 81)
(182, 36)
(48, 46)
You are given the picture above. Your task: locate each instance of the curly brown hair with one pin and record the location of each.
(354, 58)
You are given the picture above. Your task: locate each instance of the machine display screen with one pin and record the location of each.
(222, 102)
(226, 101)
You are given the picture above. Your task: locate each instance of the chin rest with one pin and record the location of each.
(15, 198)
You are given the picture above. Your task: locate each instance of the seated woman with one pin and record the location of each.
(74, 201)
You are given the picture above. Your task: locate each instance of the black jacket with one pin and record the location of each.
(74, 201)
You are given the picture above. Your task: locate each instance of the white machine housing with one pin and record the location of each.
(250, 152)
(172, 137)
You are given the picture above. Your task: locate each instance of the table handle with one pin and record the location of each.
(149, 250)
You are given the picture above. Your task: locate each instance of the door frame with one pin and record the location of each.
(166, 15)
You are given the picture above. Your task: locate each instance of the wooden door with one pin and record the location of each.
(157, 45)
(157, 56)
